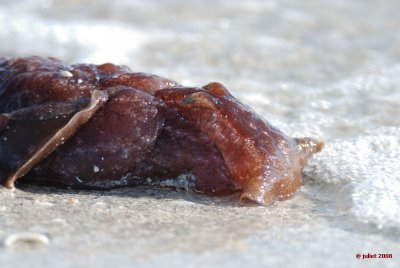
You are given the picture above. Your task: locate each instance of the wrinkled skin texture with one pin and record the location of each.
(103, 126)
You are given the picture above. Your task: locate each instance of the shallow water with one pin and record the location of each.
(329, 70)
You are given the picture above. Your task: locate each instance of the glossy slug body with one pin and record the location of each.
(103, 126)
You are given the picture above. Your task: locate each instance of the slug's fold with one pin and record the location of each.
(265, 162)
(49, 124)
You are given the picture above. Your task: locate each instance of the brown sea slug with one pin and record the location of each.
(104, 126)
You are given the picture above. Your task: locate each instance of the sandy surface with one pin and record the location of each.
(163, 228)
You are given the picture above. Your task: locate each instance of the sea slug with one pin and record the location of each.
(104, 126)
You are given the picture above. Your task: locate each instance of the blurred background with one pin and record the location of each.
(326, 69)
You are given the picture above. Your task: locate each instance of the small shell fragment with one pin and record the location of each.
(66, 74)
(96, 169)
(27, 238)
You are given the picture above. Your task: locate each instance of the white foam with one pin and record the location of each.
(367, 167)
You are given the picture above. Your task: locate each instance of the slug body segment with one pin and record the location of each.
(265, 162)
(103, 126)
